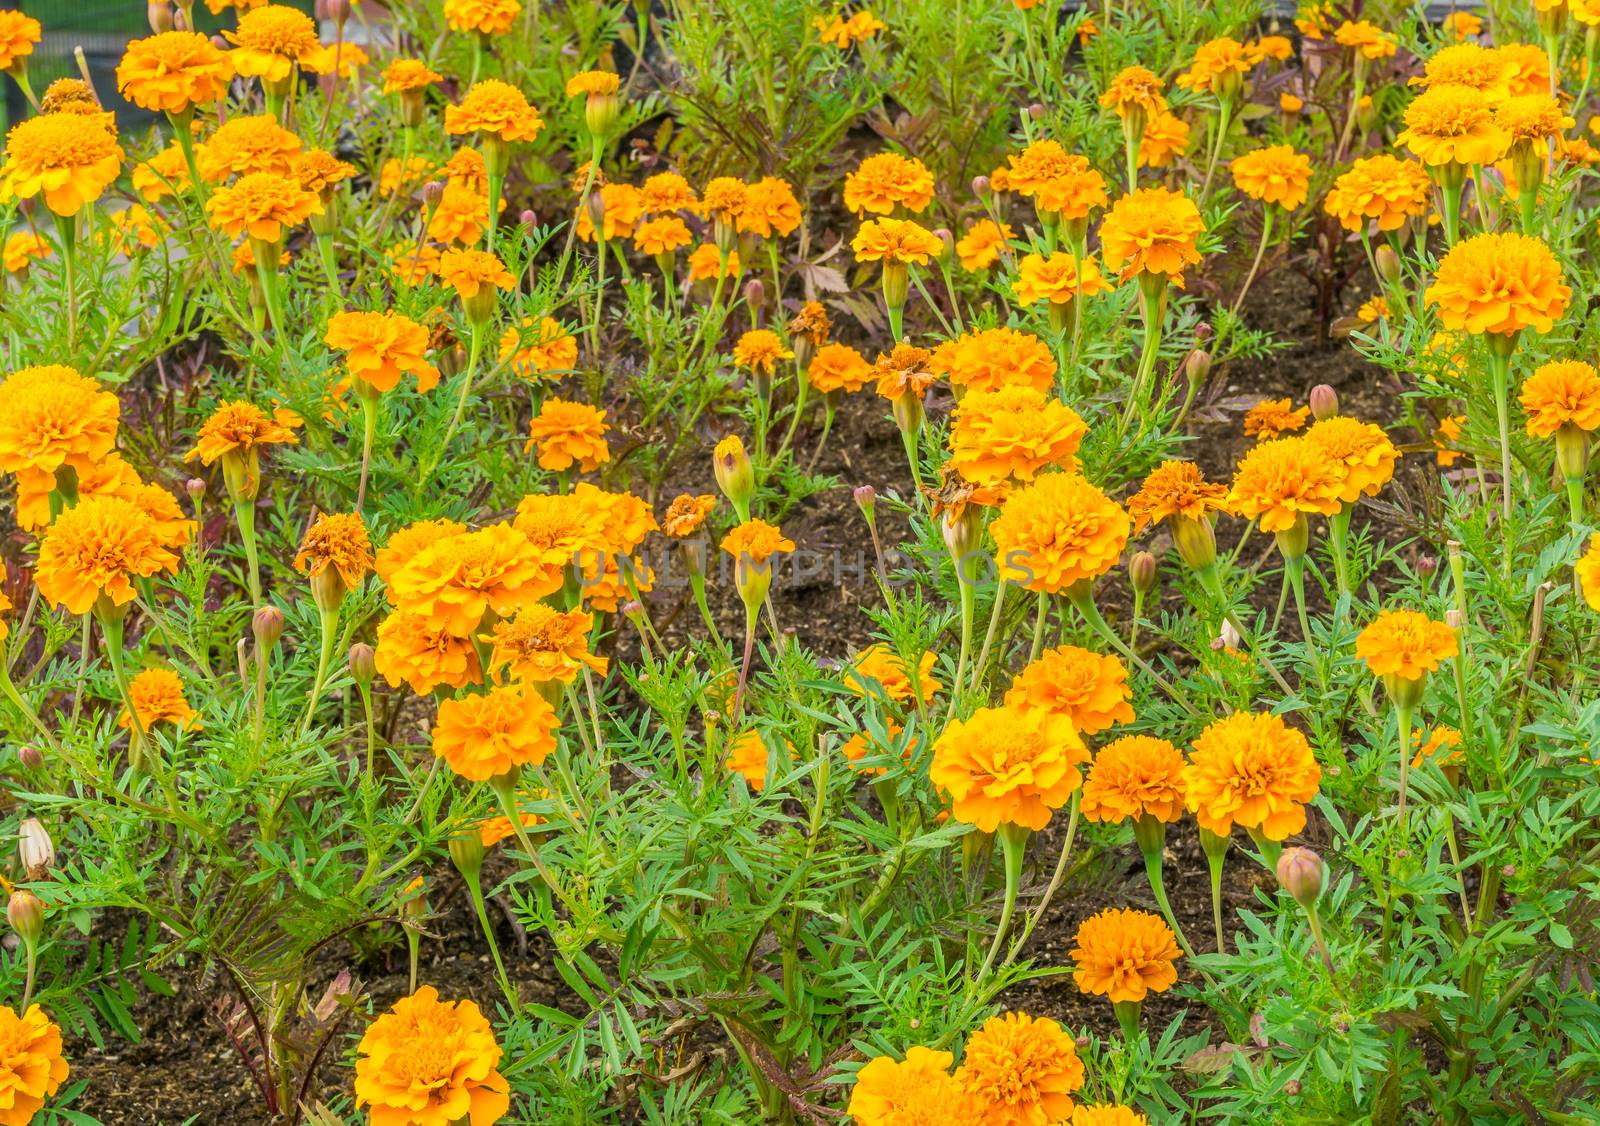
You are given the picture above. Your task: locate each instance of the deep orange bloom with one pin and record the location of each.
(381, 347)
(543, 644)
(486, 17)
(496, 108)
(887, 181)
(1152, 231)
(878, 671)
(1176, 490)
(157, 696)
(1277, 481)
(1020, 1071)
(993, 358)
(1125, 955)
(428, 1062)
(1361, 454)
(1008, 766)
(1275, 174)
(1058, 279)
(95, 550)
(262, 206)
(1406, 644)
(916, 1091)
(497, 733)
(1088, 688)
(1561, 393)
(1058, 531)
(1252, 770)
(567, 433)
(1499, 283)
(32, 1067)
(1132, 777)
(173, 72)
(425, 657)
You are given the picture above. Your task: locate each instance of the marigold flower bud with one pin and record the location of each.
(755, 294)
(896, 284)
(600, 113)
(1324, 402)
(595, 205)
(1300, 874)
(267, 625)
(1427, 566)
(362, 663)
(1142, 572)
(963, 533)
(1387, 263)
(432, 193)
(328, 589)
(30, 756)
(1228, 637)
(528, 218)
(1196, 367)
(34, 847)
(1036, 111)
(466, 853)
(947, 242)
(26, 915)
(1203, 332)
(159, 13)
(195, 487)
(866, 498)
(980, 185)
(1572, 451)
(1453, 619)
(736, 477)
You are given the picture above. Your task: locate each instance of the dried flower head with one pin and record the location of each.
(336, 543)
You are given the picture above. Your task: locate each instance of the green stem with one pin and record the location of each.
(244, 512)
(330, 633)
(475, 889)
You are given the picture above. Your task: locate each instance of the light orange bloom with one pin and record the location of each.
(1274, 47)
(34, 1067)
(1152, 231)
(1470, 65)
(244, 145)
(705, 261)
(1020, 1071)
(567, 434)
(1382, 189)
(1058, 279)
(485, 17)
(423, 657)
(552, 351)
(19, 34)
(1361, 454)
(1125, 955)
(157, 696)
(381, 347)
(336, 544)
(470, 272)
(1107, 1116)
(1530, 68)
(543, 644)
(895, 240)
(52, 416)
(1060, 184)
(1132, 777)
(882, 183)
(1500, 283)
(665, 235)
(261, 206)
(759, 350)
(1176, 490)
(879, 671)
(1452, 125)
(1275, 174)
(408, 541)
(845, 32)
(1442, 744)
(983, 244)
(271, 42)
(667, 192)
(993, 358)
(1366, 38)
(1013, 434)
(1588, 572)
(1561, 393)
(1273, 418)
(1090, 689)
(495, 108)
(95, 550)
(622, 205)
(240, 427)
(1135, 89)
(62, 158)
(1058, 531)
(686, 514)
(838, 367)
(454, 581)
(747, 757)
(402, 75)
(589, 82)
(1251, 770)
(428, 1062)
(1008, 766)
(1166, 137)
(770, 209)
(1405, 644)
(1279, 481)
(495, 734)
(1218, 66)
(173, 72)
(22, 247)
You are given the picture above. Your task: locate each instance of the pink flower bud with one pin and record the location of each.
(26, 915)
(1300, 874)
(1324, 401)
(267, 625)
(1142, 572)
(363, 665)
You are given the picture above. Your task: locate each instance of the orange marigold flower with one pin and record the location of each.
(52, 416)
(19, 34)
(495, 734)
(887, 181)
(1530, 68)
(1166, 137)
(756, 541)
(336, 543)
(770, 208)
(1152, 231)
(1561, 393)
(1251, 770)
(493, 830)
(624, 518)
(983, 244)
(106, 476)
(428, 1062)
(1275, 47)
(725, 198)
(1443, 744)
(1278, 481)
(95, 549)
(486, 17)
(1273, 418)
(1058, 531)
(838, 367)
(1011, 434)
(1588, 572)
(1218, 66)
(622, 207)
(1361, 454)
(496, 108)
(993, 358)
(1058, 279)
(381, 347)
(844, 32)
(402, 75)
(454, 581)
(1405, 644)
(21, 247)
(1020, 1071)
(1135, 89)
(1008, 766)
(1452, 125)
(394, 177)
(470, 272)
(244, 145)
(667, 192)
(1058, 182)
(561, 528)
(318, 170)
(760, 349)
(157, 696)
(1133, 777)
(1125, 955)
(1531, 118)
(551, 351)
(686, 514)
(916, 1091)
(879, 671)
(1381, 188)
(410, 540)
(1499, 283)
(895, 240)
(1367, 38)
(747, 757)
(271, 42)
(423, 657)
(240, 427)
(62, 157)
(1176, 490)
(543, 644)
(567, 434)
(261, 206)
(1464, 25)
(706, 261)
(33, 1067)
(1489, 72)
(173, 72)
(1275, 174)
(1088, 688)
(904, 372)
(863, 744)
(593, 82)
(665, 235)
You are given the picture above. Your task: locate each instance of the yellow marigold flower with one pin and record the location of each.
(686, 514)
(173, 72)
(622, 208)
(470, 272)
(845, 32)
(983, 243)
(454, 581)
(916, 1091)
(52, 416)
(543, 644)
(593, 82)
(318, 171)
(1452, 125)
(624, 519)
(244, 145)
(1275, 47)
(1012, 434)
(106, 476)
(747, 757)
(879, 671)
(1405, 644)
(1275, 174)
(1058, 279)
(1152, 231)
(1361, 454)
(157, 696)
(1218, 66)
(404, 545)
(493, 830)
(393, 178)
(21, 247)
(1125, 955)
(1461, 26)
(1561, 393)
(1279, 480)
(1499, 283)
(756, 541)
(61, 157)
(667, 192)
(95, 549)
(895, 240)
(551, 351)
(567, 434)
(240, 427)
(496, 108)
(1058, 531)
(261, 206)
(1443, 744)
(1166, 137)
(1088, 688)
(18, 35)
(1020, 1071)
(1467, 64)
(413, 652)
(32, 1067)
(381, 347)
(1251, 770)
(993, 358)
(271, 42)
(1291, 103)
(838, 367)
(770, 208)
(428, 1062)
(497, 733)
(559, 529)
(1381, 188)
(665, 235)
(337, 542)
(1532, 118)
(486, 17)
(403, 75)
(1530, 68)
(1273, 418)
(1366, 38)
(1133, 777)
(887, 181)
(1058, 182)
(706, 260)
(760, 349)
(1176, 490)
(131, 230)
(1448, 432)
(1135, 89)
(1008, 766)
(343, 59)
(173, 528)
(1588, 572)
